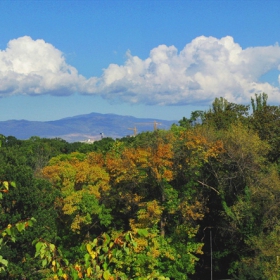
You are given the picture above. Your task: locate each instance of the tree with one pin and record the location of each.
(259, 103)
(9, 229)
(128, 255)
(265, 120)
(32, 197)
(82, 183)
(224, 113)
(238, 200)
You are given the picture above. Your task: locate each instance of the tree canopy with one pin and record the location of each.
(160, 205)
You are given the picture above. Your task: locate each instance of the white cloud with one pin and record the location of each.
(36, 67)
(206, 68)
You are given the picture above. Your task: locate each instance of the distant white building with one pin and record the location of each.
(87, 141)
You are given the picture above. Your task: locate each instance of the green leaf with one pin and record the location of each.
(106, 275)
(87, 257)
(106, 238)
(3, 261)
(134, 244)
(126, 249)
(8, 231)
(13, 231)
(66, 262)
(94, 242)
(44, 263)
(127, 238)
(52, 247)
(38, 247)
(105, 266)
(30, 223)
(143, 232)
(60, 272)
(105, 249)
(20, 226)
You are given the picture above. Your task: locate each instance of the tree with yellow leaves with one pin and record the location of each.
(82, 181)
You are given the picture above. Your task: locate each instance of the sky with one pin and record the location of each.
(143, 58)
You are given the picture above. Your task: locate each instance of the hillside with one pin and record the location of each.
(81, 127)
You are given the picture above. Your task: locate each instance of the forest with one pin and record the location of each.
(200, 200)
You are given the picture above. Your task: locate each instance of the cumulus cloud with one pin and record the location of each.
(206, 68)
(35, 67)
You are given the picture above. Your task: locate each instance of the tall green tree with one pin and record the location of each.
(266, 121)
(32, 197)
(223, 113)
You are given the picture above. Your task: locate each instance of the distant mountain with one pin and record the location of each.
(82, 127)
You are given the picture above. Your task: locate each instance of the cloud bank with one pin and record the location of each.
(206, 68)
(35, 67)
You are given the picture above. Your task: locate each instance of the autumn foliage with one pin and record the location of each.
(171, 204)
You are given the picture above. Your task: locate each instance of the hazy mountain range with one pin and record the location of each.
(82, 127)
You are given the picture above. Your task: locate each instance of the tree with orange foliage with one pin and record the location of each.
(82, 181)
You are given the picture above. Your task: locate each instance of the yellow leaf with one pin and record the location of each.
(89, 271)
(6, 185)
(89, 248)
(93, 255)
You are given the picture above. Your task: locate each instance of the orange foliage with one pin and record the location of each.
(76, 178)
(127, 166)
(148, 216)
(161, 161)
(199, 148)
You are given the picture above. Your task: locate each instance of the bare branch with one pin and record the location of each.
(209, 187)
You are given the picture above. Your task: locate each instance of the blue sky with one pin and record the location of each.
(154, 59)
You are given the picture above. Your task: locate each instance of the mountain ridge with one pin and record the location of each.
(82, 127)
